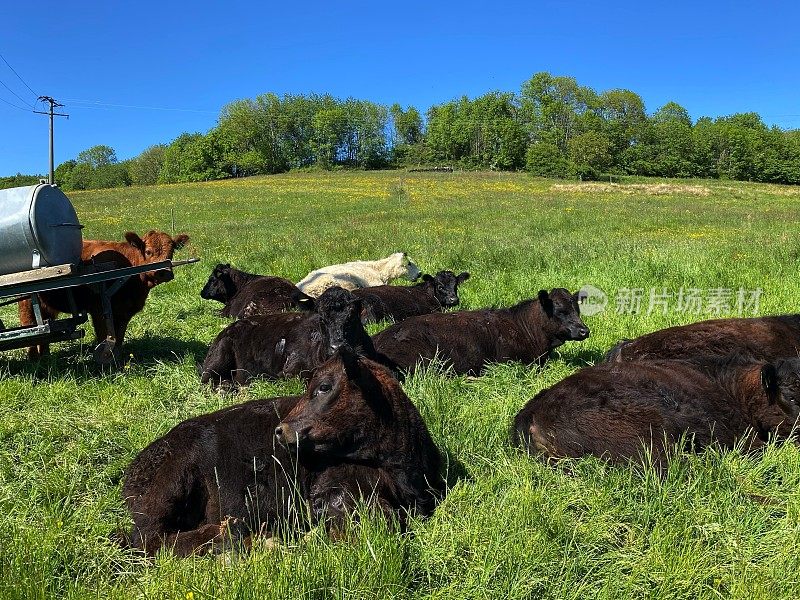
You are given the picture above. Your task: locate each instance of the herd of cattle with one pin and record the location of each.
(354, 436)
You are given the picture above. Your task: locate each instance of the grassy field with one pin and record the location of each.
(719, 525)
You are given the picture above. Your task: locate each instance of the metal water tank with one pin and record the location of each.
(38, 228)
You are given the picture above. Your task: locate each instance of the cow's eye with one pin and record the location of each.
(324, 388)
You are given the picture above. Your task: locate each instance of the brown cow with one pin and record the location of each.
(286, 463)
(155, 246)
(398, 302)
(468, 340)
(249, 295)
(766, 338)
(615, 410)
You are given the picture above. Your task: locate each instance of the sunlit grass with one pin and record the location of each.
(718, 525)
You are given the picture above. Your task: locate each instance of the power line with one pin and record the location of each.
(18, 76)
(100, 105)
(20, 98)
(14, 105)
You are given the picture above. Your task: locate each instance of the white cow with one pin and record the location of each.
(359, 274)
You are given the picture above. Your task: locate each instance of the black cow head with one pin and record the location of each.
(781, 381)
(341, 412)
(340, 312)
(220, 286)
(445, 286)
(561, 308)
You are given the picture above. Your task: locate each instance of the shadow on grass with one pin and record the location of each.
(454, 469)
(150, 349)
(76, 360)
(584, 357)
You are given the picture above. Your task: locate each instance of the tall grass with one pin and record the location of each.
(718, 525)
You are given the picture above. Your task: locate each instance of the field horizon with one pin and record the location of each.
(652, 252)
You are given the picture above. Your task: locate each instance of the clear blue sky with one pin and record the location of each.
(714, 58)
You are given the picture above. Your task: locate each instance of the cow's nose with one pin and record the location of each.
(583, 333)
(280, 432)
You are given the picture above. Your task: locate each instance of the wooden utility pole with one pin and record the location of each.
(53, 105)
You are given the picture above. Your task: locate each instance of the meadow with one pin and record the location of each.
(716, 525)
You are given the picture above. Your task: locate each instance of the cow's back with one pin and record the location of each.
(262, 296)
(465, 339)
(396, 302)
(764, 338)
(224, 463)
(613, 409)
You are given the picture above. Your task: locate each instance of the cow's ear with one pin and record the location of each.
(350, 360)
(427, 278)
(305, 302)
(134, 240)
(769, 381)
(546, 302)
(462, 278)
(180, 240)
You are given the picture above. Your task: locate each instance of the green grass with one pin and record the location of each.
(719, 525)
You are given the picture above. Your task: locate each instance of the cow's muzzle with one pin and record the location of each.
(289, 436)
(579, 333)
(163, 276)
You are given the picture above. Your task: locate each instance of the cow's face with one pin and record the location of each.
(781, 381)
(342, 409)
(445, 287)
(561, 308)
(219, 284)
(156, 246)
(340, 312)
(412, 270)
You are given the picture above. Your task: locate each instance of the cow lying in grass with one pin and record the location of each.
(767, 338)
(469, 340)
(248, 295)
(615, 410)
(396, 302)
(267, 465)
(359, 274)
(154, 246)
(287, 344)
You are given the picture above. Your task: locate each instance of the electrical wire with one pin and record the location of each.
(103, 105)
(18, 76)
(14, 105)
(20, 98)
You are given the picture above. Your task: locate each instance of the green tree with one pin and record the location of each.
(407, 125)
(63, 174)
(556, 109)
(590, 152)
(330, 128)
(624, 118)
(97, 156)
(192, 157)
(19, 180)
(363, 141)
(673, 143)
(144, 169)
(545, 160)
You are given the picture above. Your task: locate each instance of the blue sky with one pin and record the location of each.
(714, 58)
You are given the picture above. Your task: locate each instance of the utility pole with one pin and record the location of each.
(53, 104)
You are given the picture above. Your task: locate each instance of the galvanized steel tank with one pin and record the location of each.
(38, 228)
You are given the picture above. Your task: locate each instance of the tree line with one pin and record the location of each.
(552, 127)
